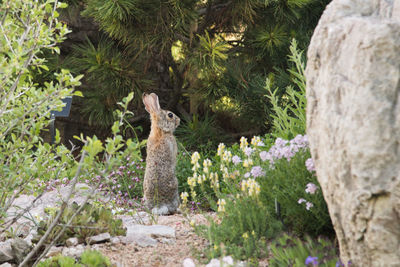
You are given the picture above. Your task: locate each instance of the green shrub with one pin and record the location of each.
(290, 111)
(302, 206)
(89, 258)
(241, 230)
(93, 258)
(59, 261)
(292, 251)
(243, 182)
(92, 220)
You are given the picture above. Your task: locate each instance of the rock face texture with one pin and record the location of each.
(353, 124)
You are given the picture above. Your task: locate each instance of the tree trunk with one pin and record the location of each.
(353, 124)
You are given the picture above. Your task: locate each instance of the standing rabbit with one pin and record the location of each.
(160, 183)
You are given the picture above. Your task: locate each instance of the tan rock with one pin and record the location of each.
(353, 125)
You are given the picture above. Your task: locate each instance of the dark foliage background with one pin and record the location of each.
(207, 60)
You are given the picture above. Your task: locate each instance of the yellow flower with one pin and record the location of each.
(221, 149)
(195, 157)
(225, 173)
(221, 205)
(247, 163)
(201, 179)
(206, 163)
(255, 140)
(243, 142)
(251, 187)
(192, 181)
(245, 235)
(196, 166)
(184, 197)
(192, 223)
(227, 156)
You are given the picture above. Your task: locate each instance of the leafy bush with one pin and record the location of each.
(89, 258)
(242, 229)
(290, 111)
(90, 221)
(94, 258)
(292, 251)
(243, 182)
(25, 112)
(292, 182)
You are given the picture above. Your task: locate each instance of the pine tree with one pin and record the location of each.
(194, 54)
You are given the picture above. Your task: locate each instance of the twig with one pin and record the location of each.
(20, 214)
(57, 218)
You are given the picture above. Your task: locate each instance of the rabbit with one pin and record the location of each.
(160, 184)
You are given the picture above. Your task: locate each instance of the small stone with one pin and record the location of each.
(227, 260)
(167, 241)
(74, 252)
(53, 251)
(152, 230)
(6, 265)
(6, 252)
(96, 247)
(188, 262)
(72, 241)
(104, 237)
(139, 239)
(115, 240)
(20, 249)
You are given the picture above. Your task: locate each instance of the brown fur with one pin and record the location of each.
(160, 183)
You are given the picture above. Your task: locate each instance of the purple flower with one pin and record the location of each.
(279, 142)
(309, 205)
(248, 151)
(236, 160)
(339, 263)
(257, 171)
(310, 165)
(247, 175)
(311, 188)
(311, 260)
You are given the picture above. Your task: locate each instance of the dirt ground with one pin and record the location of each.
(164, 254)
(186, 245)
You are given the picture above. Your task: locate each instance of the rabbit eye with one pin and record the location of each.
(170, 115)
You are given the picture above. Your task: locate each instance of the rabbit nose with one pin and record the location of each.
(177, 121)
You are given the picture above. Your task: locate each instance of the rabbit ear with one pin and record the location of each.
(151, 102)
(147, 102)
(156, 104)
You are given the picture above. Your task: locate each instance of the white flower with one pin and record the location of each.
(301, 200)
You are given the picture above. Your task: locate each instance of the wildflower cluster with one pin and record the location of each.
(251, 187)
(125, 183)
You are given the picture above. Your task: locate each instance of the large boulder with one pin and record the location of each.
(353, 124)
